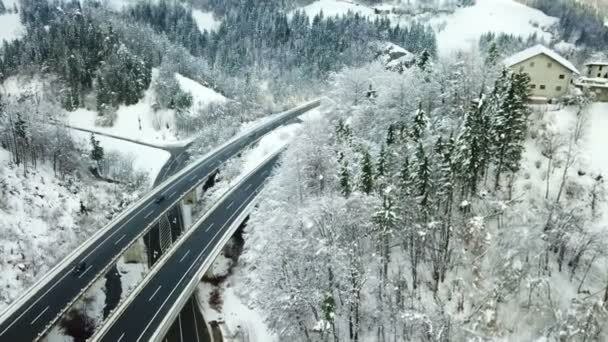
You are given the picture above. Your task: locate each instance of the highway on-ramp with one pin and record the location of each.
(28, 318)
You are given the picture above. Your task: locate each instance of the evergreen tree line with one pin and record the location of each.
(259, 33)
(579, 22)
(426, 180)
(63, 38)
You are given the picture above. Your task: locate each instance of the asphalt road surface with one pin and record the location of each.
(43, 306)
(143, 316)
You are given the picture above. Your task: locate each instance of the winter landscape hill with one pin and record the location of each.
(436, 195)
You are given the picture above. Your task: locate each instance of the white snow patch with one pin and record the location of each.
(240, 322)
(463, 28)
(201, 96)
(157, 127)
(145, 158)
(11, 27)
(331, 8)
(205, 20)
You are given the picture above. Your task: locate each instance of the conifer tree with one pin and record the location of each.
(420, 124)
(422, 182)
(345, 182)
(97, 153)
(366, 183)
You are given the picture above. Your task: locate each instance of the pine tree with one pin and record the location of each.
(420, 124)
(509, 126)
(471, 148)
(422, 182)
(2, 8)
(97, 153)
(345, 182)
(424, 60)
(381, 169)
(366, 183)
(492, 55)
(405, 179)
(390, 135)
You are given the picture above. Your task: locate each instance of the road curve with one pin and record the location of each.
(28, 318)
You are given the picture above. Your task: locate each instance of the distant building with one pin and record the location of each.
(596, 80)
(597, 70)
(550, 74)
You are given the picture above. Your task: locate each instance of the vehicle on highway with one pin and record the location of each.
(159, 199)
(79, 268)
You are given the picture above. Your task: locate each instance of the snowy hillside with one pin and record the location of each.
(462, 29)
(201, 96)
(40, 220)
(145, 123)
(458, 30)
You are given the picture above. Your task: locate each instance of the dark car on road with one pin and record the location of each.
(159, 199)
(79, 268)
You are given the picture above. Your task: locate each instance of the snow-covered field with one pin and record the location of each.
(205, 20)
(461, 29)
(201, 96)
(464, 27)
(10, 25)
(140, 122)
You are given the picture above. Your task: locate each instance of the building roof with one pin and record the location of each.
(537, 50)
(597, 63)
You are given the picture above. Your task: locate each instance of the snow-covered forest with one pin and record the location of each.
(427, 200)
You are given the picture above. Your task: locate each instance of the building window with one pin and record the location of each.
(549, 65)
(561, 77)
(531, 64)
(606, 75)
(558, 88)
(542, 86)
(532, 86)
(599, 75)
(601, 67)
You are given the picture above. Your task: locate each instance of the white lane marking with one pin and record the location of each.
(40, 314)
(116, 231)
(181, 334)
(192, 265)
(248, 186)
(118, 241)
(230, 205)
(85, 271)
(194, 176)
(173, 194)
(265, 173)
(155, 292)
(148, 214)
(34, 303)
(120, 338)
(184, 257)
(211, 225)
(195, 323)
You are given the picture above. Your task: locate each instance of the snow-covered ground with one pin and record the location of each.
(40, 221)
(205, 20)
(240, 322)
(461, 29)
(140, 122)
(145, 158)
(332, 8)
(10, 25)
(464, 27)
(201, 96)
